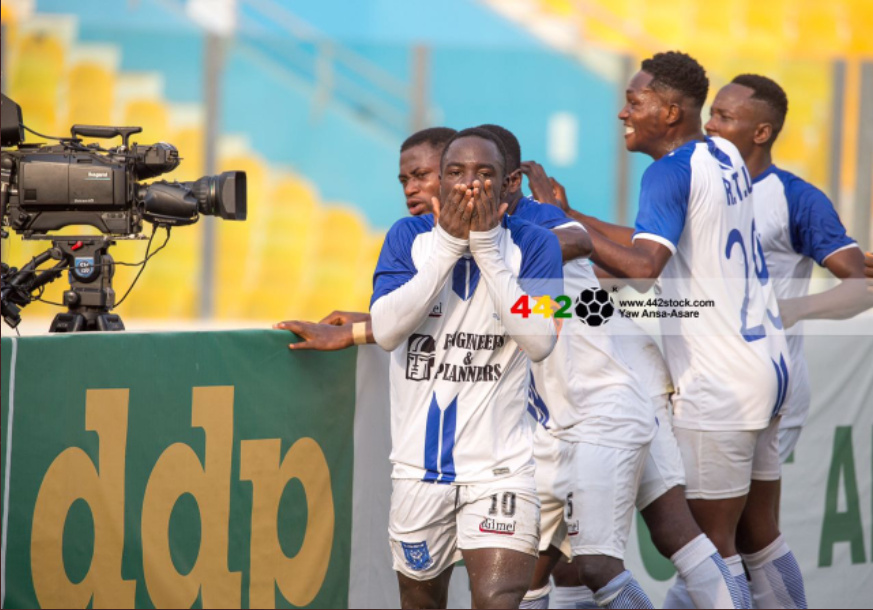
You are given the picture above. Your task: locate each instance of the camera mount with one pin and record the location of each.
(90, 298)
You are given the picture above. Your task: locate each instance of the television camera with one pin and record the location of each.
(48, 188)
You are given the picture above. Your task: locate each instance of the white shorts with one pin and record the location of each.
(663, 469)
(430, 523)
(554, 476)
(720, 464)
(766, 466)
(600, 510)
(788, 438)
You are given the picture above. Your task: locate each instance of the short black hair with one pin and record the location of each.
(510, 143)
(680, 72)
(437, 137)
(478, 132)
(768, 91)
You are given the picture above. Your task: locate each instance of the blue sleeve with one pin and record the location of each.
(815, 227)
(542, 270)
(664, 194)
(546, 215)
(395, 266)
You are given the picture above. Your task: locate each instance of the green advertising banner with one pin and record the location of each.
(176, 470)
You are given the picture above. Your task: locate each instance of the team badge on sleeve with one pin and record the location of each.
(417, 555)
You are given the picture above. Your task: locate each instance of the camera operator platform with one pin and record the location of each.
(47, 188)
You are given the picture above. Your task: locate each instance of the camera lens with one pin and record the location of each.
(223, 195)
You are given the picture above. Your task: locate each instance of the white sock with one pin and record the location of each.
(735, 565)
(573, 598)
(678, 597)
(537, 599)
(706, 578)
(623, 591)
(776, 581)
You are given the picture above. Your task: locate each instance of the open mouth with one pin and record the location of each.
(628, 130)
(416, 206)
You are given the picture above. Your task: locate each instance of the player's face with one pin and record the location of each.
(472, 158)
(734, 117)
(420, 177)
(644, 115)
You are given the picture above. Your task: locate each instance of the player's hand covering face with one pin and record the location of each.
(487, 212)
(468, 164)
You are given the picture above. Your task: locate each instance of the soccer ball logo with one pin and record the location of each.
(594, 307)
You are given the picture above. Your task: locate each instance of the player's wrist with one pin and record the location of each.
(448, 243)
(484, 240)
(359, 333)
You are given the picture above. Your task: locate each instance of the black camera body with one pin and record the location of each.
(48, 188)
(52, 187)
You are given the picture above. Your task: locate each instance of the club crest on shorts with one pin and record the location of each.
(490, 525)
(420, 357)
(417, 556)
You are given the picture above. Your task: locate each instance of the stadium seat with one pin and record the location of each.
(295, 220)
(334, 272)
(152, 116)
(36, 79)
(190, 144)
(861, 12)
(90, 94)
(240, 245)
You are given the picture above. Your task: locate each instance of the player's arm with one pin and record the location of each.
(664, 195)
(402, 294)
(328, 337)
(535, 335)
(617, 233)
(575, 242)
(609, 282)
(849, 298)
(641, 263)
(817, 232)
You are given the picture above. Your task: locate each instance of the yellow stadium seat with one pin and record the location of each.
(821, 31)
(90, 94)
(35, 81)
(334, 273)
(287, 252)
(239, 245)
(861, 20)
(342, 236)
(152, 116)
(559, 8)
(367, 266)
(7, 15)
(190, 144)
(40, 65)
(169, 287)
(10, 26)
(39, 113)
(671, 27)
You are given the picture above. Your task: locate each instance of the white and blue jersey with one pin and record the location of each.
(585, 391)
(459, 381)
(730, 365)
(798, 227)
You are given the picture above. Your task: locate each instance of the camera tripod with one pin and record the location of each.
(90, 298)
